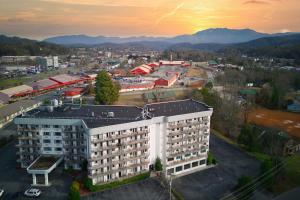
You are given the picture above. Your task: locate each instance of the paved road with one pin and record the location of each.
(149, 189)
(15, 181)
(213, 183)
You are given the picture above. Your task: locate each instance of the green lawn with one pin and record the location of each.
(7, 83)
(96, 188)
(290, 178)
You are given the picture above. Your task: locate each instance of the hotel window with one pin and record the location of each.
(170, 159)
(46, 133)
(47, 141)
(47, 148)
(57, 141)
(194, 164)
(57, 133)
(178, 169)
(187, 166)
(58, 149)
(202, 162)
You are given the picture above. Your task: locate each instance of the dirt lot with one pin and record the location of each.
(196, 72)
(289, 122)
(135, 98)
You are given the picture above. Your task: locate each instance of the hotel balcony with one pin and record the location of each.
(184, 160)
(116, 136)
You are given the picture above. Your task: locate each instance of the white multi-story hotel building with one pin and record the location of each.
(117, 141)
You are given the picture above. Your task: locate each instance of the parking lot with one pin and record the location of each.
(149, 189)
(15, 181)
(208, 184)
(214, 182)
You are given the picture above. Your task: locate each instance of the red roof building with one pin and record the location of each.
(153, 65)
(74, 92)
(45, 84)
(186, 65)
(141, 70)
(127, 87)
(171, 63)
(66, 79)
(166, 81)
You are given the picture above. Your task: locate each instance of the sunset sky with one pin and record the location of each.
(39, 19)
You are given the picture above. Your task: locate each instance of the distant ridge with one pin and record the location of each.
(214, 35)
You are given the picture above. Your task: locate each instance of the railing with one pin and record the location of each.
(28, 129)
(120, 152)
(115, 136)
(175, 154)
(34, 137)
(192, 158)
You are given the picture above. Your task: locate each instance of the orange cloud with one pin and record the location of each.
(42, 18)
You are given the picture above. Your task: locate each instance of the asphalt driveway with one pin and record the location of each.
(15, 181)
(214, 182)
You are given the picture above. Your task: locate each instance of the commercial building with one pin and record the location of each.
(47, 62)
(44, 84)
(178, 63)
(74, 92)
(65, 79)
(10, 111)
(168, 80)
(129, 87)
(117, 141)
(141, 70)
(6, 94)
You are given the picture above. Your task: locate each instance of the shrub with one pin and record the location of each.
(211, 159)
(74, 191)
(158, 166)
(88, 184)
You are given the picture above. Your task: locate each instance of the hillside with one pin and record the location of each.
(20, 46)
(287, 46)
(280, 46)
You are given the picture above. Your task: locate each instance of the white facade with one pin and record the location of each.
(120, 150)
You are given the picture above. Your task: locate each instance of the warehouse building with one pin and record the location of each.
(117, 141)
(20, 90)
(65, 79)
(129, 87)
(45, 84)
(141, 70)
(166, 81)
(10, 111)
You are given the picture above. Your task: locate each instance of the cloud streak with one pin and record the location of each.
(257, 2)
(169, 14)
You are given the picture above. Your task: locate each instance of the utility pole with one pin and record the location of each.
(171, 187)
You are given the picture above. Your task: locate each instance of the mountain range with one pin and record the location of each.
(216, 35)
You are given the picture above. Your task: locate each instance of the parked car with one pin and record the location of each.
(1, 192)
(32, 192)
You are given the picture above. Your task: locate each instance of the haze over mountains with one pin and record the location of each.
(217, 35)
(224, 41)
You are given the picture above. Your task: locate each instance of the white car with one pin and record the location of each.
(32, 192)
(1, 192)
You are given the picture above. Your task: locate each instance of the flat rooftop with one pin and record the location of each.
(172, 108)
(44, 163)
(103, 115)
